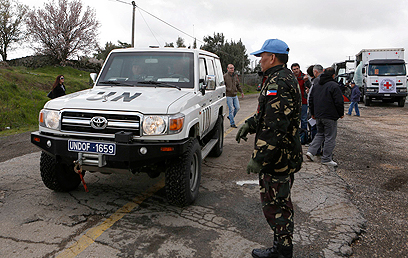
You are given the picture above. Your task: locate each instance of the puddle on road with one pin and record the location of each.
(247, 182)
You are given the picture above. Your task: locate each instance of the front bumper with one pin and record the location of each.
(376, 95)
(128, 155)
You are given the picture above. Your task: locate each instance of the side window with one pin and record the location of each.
(211, 71)
(203, 69)
(219, 74)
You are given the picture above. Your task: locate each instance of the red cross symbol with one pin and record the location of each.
(387, 85)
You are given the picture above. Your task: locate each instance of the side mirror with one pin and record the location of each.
(210, 82)
(207, 83)
(363, 70)
(93, 76)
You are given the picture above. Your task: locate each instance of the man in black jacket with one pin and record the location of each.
(326, 105)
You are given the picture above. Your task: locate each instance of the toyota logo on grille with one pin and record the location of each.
(99, 122)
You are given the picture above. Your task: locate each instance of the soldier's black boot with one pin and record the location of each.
(285, 251)
(266, 253)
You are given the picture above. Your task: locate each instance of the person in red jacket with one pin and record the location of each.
(304, 85)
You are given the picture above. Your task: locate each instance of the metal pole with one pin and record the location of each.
(133, 24)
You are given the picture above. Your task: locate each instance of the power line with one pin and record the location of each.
(171, 26)
(161, 21)
(122, 2)
(148, 27)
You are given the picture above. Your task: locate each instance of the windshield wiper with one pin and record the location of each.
(115, 83)
(162, 84)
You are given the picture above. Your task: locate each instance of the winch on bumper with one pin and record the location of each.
(127, 155)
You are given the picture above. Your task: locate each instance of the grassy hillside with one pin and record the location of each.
(23, 92)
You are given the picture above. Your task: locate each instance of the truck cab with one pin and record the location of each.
(385, 79)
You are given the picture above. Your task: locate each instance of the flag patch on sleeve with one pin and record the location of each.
(272, 93)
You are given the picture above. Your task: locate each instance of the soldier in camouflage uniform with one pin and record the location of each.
(278, 153)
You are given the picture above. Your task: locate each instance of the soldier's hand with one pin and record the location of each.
(253, 167)
(242, 132)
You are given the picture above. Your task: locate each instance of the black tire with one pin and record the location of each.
(57, 176)
(218, 134)
(367, 101)
(184, 175)
(401, 102)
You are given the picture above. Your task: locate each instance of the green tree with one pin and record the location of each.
(257, 68)
(214, 44)
(229, 52)
(180, 42)
(102, 53)
(171, 44)
(195, 43)
(12, 16)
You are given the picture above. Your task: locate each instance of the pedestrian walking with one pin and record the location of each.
(278, 153)
(326, 105)
(354, 99)
(232, 87)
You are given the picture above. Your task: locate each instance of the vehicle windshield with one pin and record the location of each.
(387, 69)
(149, 69)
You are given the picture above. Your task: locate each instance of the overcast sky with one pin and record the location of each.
(317, 31)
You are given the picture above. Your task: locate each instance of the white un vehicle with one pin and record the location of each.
(150, 110)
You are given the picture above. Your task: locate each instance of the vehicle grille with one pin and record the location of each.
(81, 122)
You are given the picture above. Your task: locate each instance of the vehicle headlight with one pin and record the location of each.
(50, 119)
(154, 125)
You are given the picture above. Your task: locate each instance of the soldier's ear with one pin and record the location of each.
(273, 59)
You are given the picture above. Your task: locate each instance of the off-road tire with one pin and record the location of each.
(218, 134)
(183, 176)
(57, 176)
(401, 102)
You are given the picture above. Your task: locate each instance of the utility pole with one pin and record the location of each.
(133, 24)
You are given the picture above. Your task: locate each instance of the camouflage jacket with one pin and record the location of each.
(276, 123)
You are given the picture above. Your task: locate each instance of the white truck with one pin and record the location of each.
(150, 110)
(381, 75)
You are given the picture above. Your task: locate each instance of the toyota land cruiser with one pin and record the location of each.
(150, 110)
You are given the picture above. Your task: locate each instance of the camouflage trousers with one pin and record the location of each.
(277, 206)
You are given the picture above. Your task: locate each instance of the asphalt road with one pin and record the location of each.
(358, 210)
